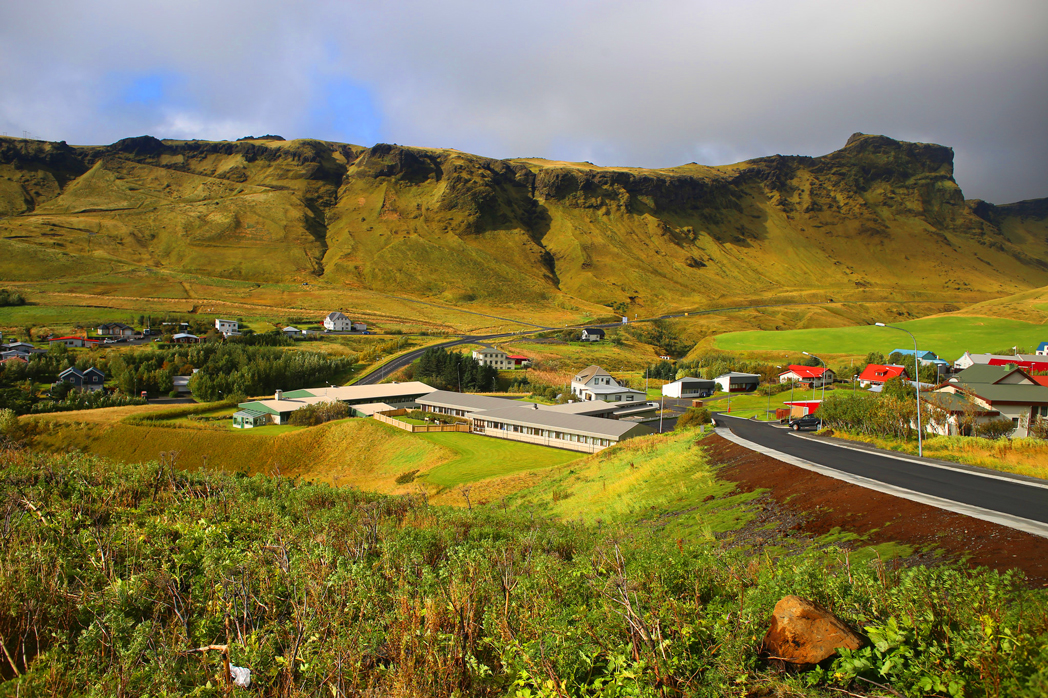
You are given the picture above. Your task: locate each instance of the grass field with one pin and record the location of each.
(479, 457)
(948, 336)
(352, 452)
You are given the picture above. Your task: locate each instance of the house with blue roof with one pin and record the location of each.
(927, 358)
(1042, 349)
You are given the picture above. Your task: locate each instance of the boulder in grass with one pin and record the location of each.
(803, 634)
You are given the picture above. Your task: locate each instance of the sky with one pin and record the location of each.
(619, 83)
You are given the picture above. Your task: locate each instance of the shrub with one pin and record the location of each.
(995, 428)
(767, 389)
(9, 298)
(8, 423)
(318, 413)
(694, 417)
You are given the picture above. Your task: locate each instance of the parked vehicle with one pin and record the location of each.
(808, 421)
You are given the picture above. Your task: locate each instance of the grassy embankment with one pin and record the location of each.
(948, 336)
(320, 590)
(666, 478)
(352, 452)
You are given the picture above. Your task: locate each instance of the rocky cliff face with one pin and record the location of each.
(877, 214)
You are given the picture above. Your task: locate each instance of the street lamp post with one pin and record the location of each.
(916, 383)
(823, 376)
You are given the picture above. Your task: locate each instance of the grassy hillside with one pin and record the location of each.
(358, 453)
(948, 336)
(319, 590)
(197, 225)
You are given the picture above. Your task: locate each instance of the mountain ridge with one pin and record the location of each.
(461, 227)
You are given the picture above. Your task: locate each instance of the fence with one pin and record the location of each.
(387, 417)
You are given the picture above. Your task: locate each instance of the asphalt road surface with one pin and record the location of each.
(1006, 496)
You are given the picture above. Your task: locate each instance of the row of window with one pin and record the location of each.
(545, 433)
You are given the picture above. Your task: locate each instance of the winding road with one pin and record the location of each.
(1011, 500)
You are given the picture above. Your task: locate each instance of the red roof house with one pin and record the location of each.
(876, 374)
(518, 360)
(809, 375)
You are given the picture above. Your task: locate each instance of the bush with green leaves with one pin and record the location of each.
(111, 572)
(693, 417)
(994, 428)
(318, 413)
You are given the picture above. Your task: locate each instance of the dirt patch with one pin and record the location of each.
(816, 504)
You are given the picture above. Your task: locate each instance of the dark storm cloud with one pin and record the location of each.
(618, 83)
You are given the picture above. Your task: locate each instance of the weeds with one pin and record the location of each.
(112, 573)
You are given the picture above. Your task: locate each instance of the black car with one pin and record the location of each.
(808, 421)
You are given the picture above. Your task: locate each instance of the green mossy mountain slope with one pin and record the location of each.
(876, 218)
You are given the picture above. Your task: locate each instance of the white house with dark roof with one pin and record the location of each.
(689, 387)
(337, 322)
(592, 334)
(594, 383)
(490, 356)
(736, 382)
(228, 328)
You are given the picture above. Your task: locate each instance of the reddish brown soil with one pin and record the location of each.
(818, 504)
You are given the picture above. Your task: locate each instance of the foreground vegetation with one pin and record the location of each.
(325, 591)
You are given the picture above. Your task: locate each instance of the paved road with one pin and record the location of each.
(405, 359)
(993, 493)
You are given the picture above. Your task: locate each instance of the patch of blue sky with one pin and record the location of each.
(346, 111)
(149, 89)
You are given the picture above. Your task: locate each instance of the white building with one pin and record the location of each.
(358, 327)
(689, 388)
(337, 322)
(736, 382)
(490, 356)
(574, 426)
(594, 383)
(592, 334)
(227, 327)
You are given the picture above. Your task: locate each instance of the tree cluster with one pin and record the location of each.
(10, 298)
(451, 370)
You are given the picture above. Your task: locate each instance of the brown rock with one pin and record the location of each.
(802, 634)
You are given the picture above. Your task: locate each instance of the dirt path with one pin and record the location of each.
(821, 504)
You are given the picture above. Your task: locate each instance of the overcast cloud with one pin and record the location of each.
(654, 83)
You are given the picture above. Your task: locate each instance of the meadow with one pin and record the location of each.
(948, 336)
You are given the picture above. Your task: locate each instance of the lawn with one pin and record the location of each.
(948, 336)
(662, 480)
(480, 457)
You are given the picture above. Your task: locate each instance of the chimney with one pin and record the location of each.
(279, 395)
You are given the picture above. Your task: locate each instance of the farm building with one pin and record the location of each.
(735, 382)
(689, 388)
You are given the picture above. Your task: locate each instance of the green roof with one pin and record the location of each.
(953, 402)
(982, 373)
(1024, 394)
(256, 407)
(293, 394)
